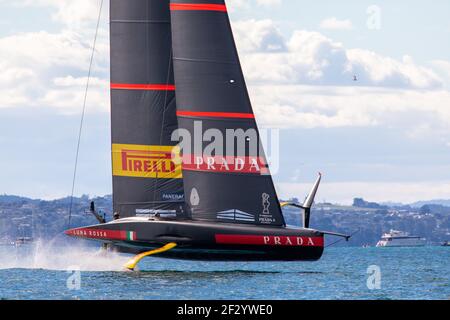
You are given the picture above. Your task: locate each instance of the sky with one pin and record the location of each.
(385, 137)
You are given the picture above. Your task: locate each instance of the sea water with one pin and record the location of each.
(44, 271)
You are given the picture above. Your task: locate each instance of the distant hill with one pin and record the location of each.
(392, 204)
(48, 219)
(418, 204)
(361, 203)
(12, 199)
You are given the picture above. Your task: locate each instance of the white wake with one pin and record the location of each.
(51, 256)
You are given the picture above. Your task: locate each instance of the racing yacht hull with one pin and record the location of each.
(208, 241)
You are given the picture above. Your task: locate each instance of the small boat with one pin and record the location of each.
(177, 90)
(25, 234)
(446, 244)
(20, 241)
(396, 238)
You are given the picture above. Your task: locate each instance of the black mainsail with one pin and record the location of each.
(146, 175)
(228, 184)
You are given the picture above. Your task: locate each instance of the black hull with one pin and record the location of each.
(208, 241)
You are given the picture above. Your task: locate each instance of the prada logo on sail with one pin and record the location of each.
(252, 165)
(140, 161)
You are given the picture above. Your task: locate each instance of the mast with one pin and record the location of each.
(233, 183)
(146, 175)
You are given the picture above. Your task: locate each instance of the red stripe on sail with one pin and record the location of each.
(216, 114)
(148, 87)
(261, 240)
(197, 7)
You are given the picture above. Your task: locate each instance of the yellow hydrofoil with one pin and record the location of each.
(131, 265)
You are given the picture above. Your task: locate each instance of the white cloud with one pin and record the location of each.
(311, 58)
(268, 3)
(34, 64)
(386, 71)
(300, 106)
(308, 83)
(335, 24)
(237, 4)
(68, 12)
(305, 80)
(258, 36)
(247, 4)
(442, 68)
(47, 51)
(67, 94)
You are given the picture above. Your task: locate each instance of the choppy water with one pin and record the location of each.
(40, 272)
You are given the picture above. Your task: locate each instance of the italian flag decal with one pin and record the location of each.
(131, 235)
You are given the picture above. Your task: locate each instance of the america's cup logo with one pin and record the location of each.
(266, 203)
(266, 217)
(195, 197)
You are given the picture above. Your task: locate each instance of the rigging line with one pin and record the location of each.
(336, 242)
(169, 69)
(84, 112)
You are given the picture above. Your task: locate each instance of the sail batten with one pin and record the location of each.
(197, 7)
(148, 87)
(206, 114)
(140, 21)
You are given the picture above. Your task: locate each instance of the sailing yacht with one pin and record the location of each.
(175, 76)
